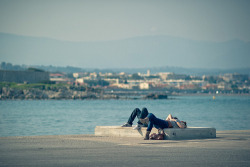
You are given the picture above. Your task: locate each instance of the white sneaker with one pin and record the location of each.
(138, 127)
(126, 125)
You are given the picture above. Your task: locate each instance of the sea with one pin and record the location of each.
(65, 117)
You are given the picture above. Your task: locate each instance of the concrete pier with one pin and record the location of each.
(170, 133)
(229, 149)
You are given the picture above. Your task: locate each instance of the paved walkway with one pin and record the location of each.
(230, 148)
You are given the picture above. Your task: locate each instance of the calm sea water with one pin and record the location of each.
(58, 117)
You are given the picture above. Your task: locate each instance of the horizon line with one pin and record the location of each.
(120, 39)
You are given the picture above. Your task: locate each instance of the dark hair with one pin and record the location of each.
(185, 123)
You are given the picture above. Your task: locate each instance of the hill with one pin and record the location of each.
(139, 52)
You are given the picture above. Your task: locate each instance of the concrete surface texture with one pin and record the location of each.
(229, 148)
(170, 133)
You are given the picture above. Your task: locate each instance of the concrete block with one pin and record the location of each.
(189, 133)
(121, 131)
(170, 134)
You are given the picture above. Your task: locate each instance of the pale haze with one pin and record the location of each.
(108, 20)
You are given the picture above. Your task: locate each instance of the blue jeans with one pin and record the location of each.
(135, 113)
(156, 122)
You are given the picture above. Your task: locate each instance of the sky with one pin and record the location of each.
(107, 20)
(95, 20)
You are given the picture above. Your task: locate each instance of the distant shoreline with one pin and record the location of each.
(169, 97)
(200, 94)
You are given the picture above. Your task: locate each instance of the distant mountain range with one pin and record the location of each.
(158, 53)
(177, 70)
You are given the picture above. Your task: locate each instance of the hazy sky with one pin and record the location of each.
(93, 20)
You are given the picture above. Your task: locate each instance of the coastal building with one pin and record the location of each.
(56, 75)
(210, 87)
(24, 76)
(164, 75)
(60, 78)
(144, 85)
(122, 86)
(235, 77)
(79, 81)
(93, 75)
(174, 76)
(148, 73)
(112, 81)
(75, 75)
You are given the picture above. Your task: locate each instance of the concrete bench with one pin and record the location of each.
(170, 133)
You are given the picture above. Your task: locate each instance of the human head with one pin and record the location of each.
(184, 123)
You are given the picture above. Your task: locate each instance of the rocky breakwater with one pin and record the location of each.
(61, 93)
(156, 96)
(12, 91)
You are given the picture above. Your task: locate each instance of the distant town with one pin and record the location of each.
(164, 81)
(80, 85)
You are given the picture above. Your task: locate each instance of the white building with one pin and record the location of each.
(80, 81)
(144, 85)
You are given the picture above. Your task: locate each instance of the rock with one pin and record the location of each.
(156, 96)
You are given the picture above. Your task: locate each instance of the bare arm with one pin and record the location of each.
(180, 125)
(169, 117)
